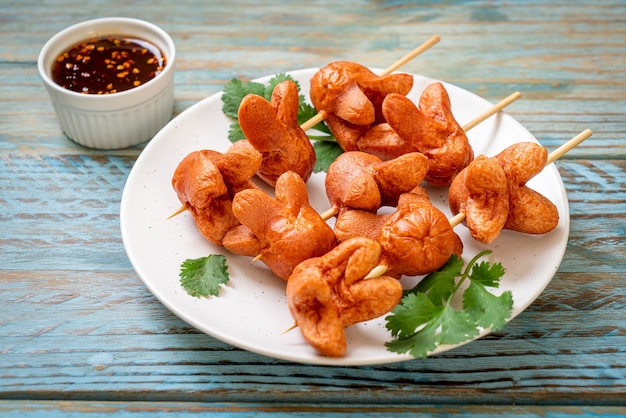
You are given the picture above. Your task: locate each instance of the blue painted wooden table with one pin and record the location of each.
(80, 335)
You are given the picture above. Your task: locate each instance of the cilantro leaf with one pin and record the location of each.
(439, 285)
(235, 91)
(449, 326)
(325, 153)
(415, 310)
(204, 276)
(274, 81)
(487, 274)
(456, 326)
(487, 309)
(425, 318)
(235, 133)
(306, 112)
(418, 344)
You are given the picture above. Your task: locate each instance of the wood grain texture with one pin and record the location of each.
(80, 335)
(151, 409)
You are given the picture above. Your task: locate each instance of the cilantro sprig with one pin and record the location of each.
(204, 276)
(426, 319)
(326, 147)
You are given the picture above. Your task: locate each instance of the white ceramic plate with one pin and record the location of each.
(251, 310)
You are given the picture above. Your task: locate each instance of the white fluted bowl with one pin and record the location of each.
(117, 120)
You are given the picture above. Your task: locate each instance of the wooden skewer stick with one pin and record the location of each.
(492, 110)
(457, 219)
(291, 328)
(568, 146)
(329, 213)
(393, 67)
(408, 57)
(257, 258)
(377, 271)
(477, 120)
(178, 212)
(460, 217)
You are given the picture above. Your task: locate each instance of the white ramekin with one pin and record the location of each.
(116, 120)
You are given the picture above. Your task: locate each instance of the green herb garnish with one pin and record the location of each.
(325, 153)
(425, 318)
(204, 276)
(236, 90)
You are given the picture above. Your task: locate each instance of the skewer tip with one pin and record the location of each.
(291, 328)
(492, 110)
(178, 212)
(569, 145)
(377, 271)
(412, 54)
(257, 258)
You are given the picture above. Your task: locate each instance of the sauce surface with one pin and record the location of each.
(108, 64)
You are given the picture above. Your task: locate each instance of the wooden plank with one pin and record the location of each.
(60, 339)
(63, 409)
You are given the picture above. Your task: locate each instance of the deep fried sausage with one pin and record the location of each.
(351, 96)
(493, 195)
(326, 294)
(430, 129)
(287, 228)
(272, 129)
(205, 182)
(416, 238)
(357, 180)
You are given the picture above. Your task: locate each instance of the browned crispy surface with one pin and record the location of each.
(272, 129)
(530, 212)
(205, 182)
(357, 180)
(492, 193)
(351, 96)
(430, 129)
(416, 238)
(349, 183)
(481, 191)
(326, 294)
(400, 175)
(287, 228)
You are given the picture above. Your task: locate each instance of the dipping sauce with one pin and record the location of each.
(108, 64)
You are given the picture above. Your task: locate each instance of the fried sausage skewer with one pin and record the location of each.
(328, 293)
(559, 152)
(205, 182)
(416, 238)
(491, 194)
(284, 230)
(272, 129)
(414, 53)
(340, 176)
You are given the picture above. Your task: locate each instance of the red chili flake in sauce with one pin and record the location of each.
(108, 64)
